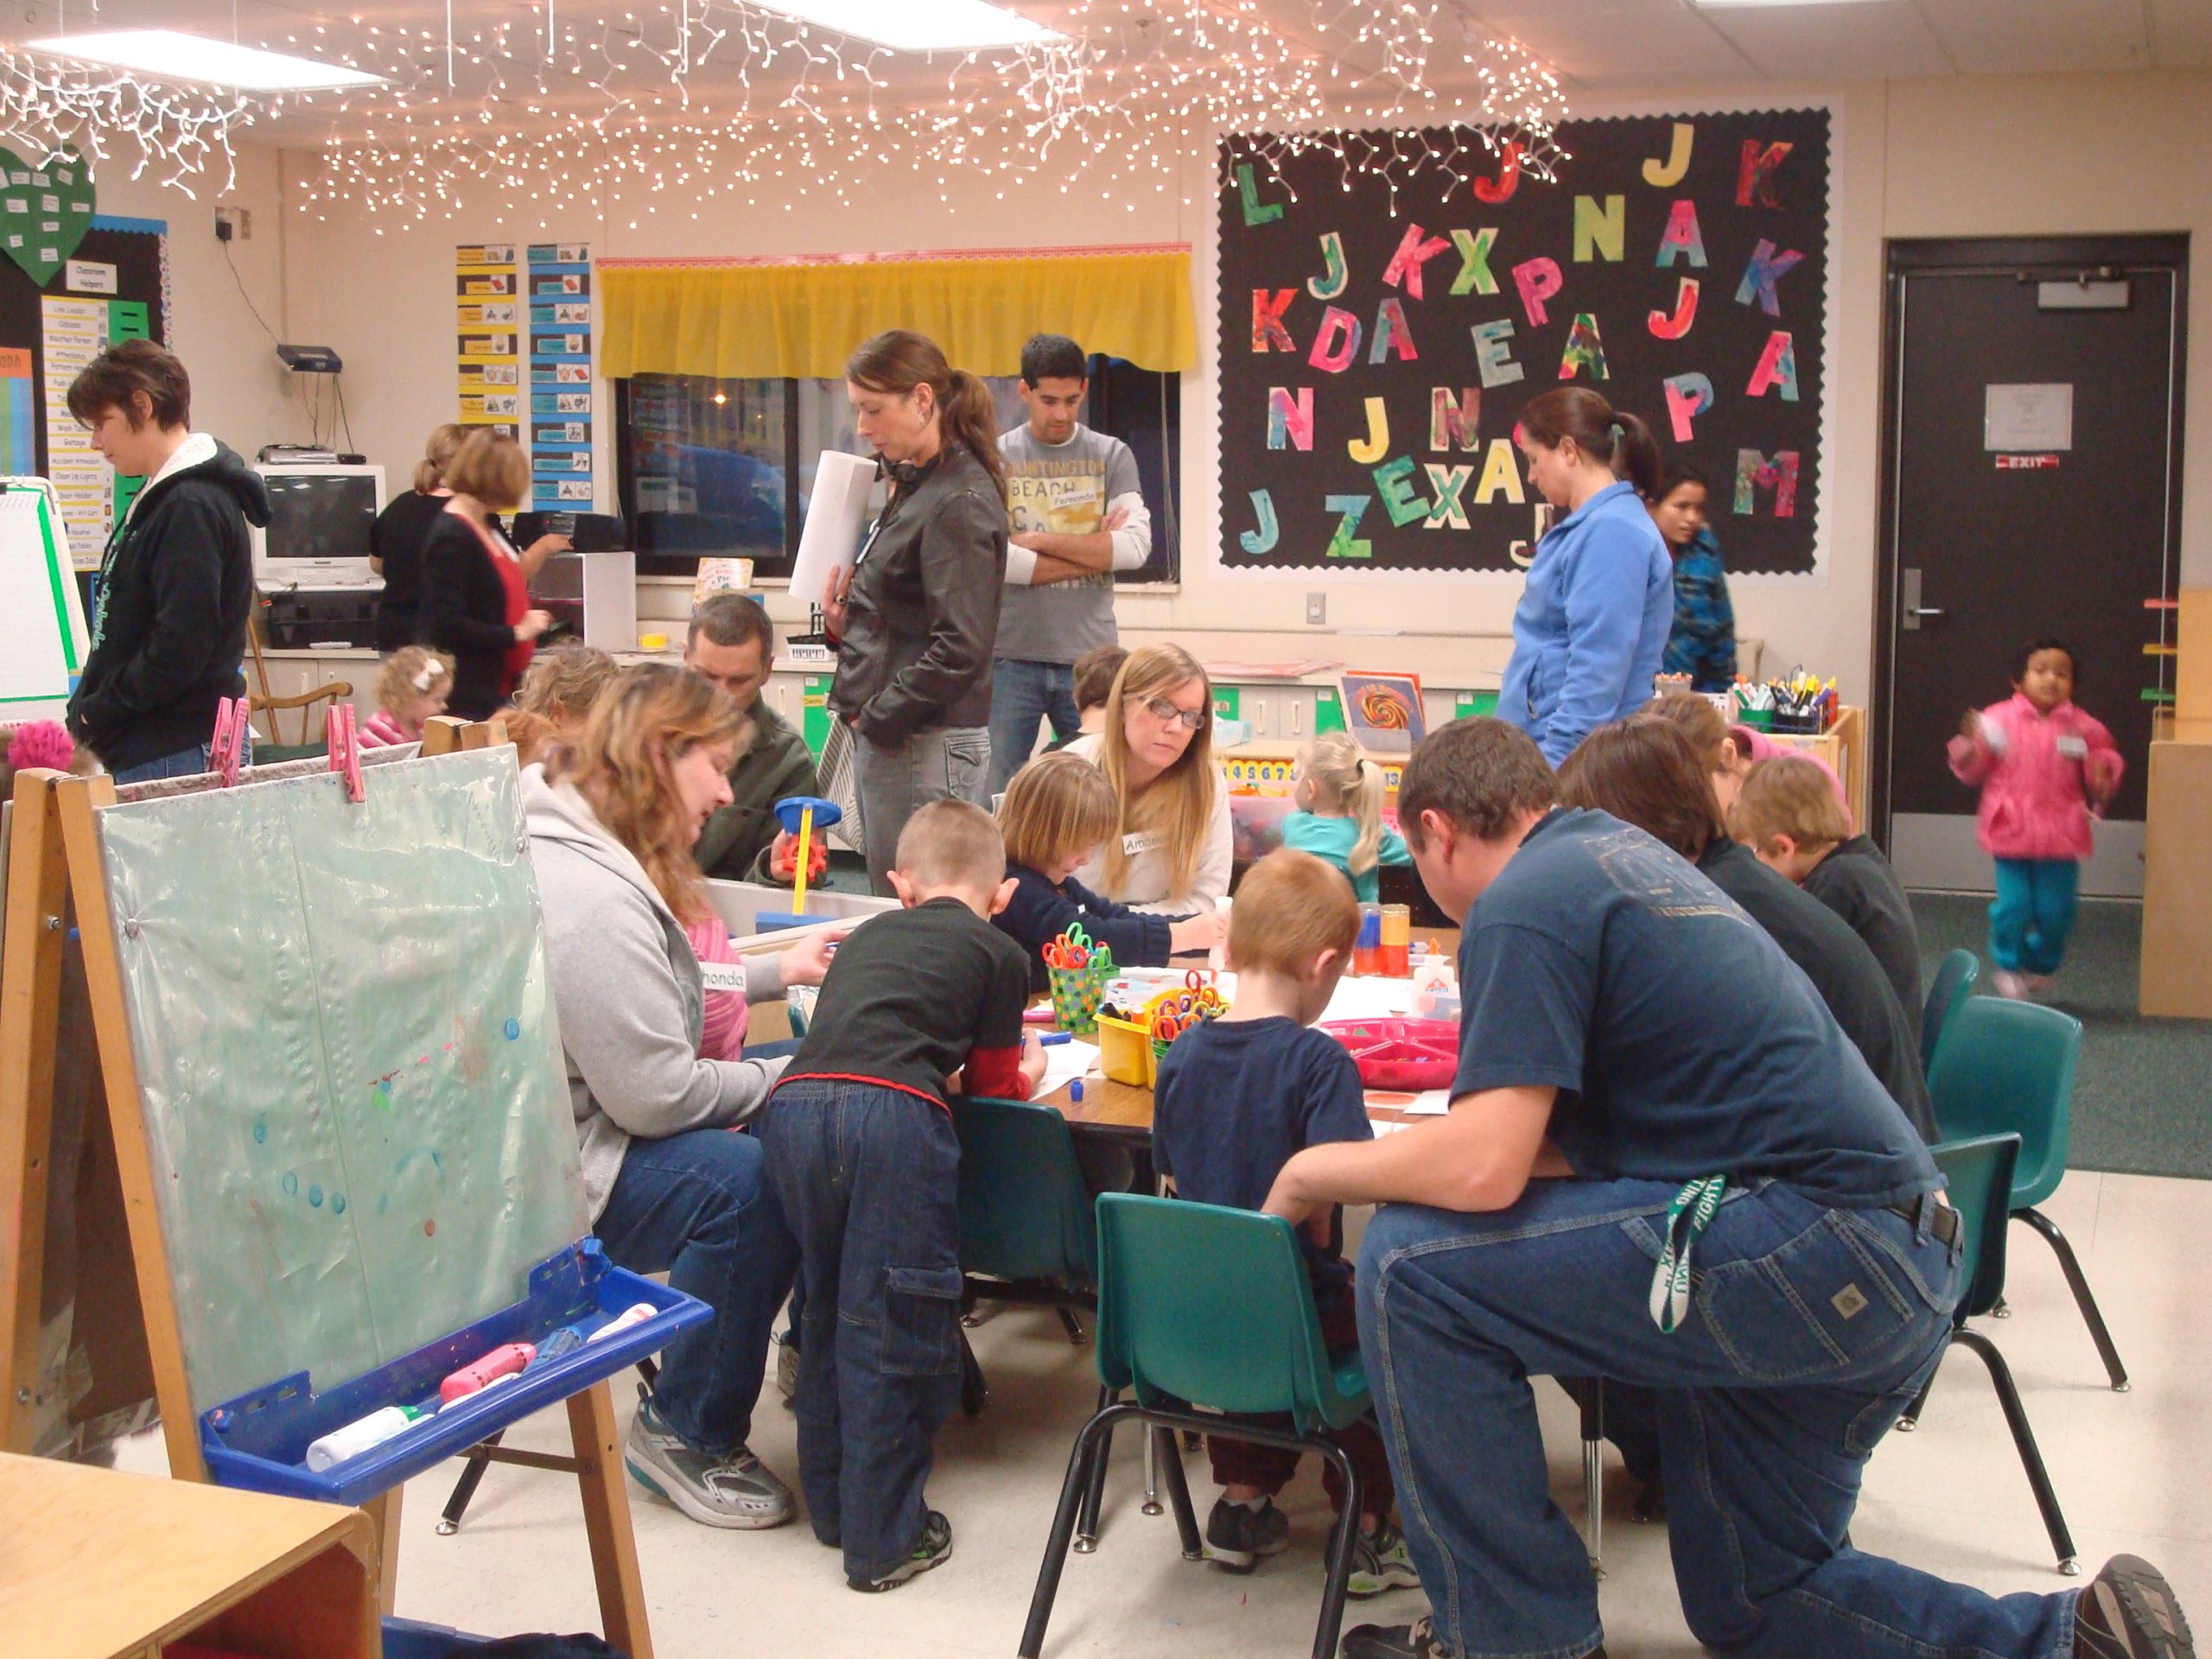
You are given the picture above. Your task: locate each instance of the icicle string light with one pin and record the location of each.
(49, 109)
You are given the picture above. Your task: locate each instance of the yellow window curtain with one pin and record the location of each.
(742, 319)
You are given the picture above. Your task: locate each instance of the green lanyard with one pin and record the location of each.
(1687, 1219)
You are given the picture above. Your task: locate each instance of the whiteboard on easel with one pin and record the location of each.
(43, 639)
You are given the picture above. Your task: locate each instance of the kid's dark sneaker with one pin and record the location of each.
(1381, 1561)
(934, 1550)
(1237, 1536)
(2128, 1612)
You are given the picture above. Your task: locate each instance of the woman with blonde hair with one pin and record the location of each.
(1170, 849)
(1340, 794)
(396, 539)
(914, 621)
(611, 818)
(475, 597)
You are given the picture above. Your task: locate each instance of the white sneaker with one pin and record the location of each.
(2009, 985)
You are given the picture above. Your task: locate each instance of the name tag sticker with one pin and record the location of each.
(1145, 842)
(2074, 748)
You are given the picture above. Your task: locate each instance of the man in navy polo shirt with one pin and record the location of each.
(1729, 1210)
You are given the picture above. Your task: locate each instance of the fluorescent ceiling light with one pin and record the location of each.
(1718, 6)
(166, 54)
(917, 25)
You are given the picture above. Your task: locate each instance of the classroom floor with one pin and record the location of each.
(2133, 1470)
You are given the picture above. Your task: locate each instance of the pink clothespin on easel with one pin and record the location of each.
(345, 751)
(226, 752)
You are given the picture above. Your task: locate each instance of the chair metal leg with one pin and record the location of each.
(1086, 1537)
(1072, 1326)
(2016, 1419)
(1911, 1419)
(1341, 1541)
(1089, 1444)
(1152, 1471)
(464, 1490)
(1179, 1495)
(1591, 1397)
(975, 1392)
(2079, 1285)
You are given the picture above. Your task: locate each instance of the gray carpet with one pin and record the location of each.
(2143, 1095)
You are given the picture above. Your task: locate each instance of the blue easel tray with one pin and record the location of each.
(259, 1440)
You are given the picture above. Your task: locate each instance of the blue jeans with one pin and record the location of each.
(1023, 693)
(696, 1206)
(1810, 1330)
(185, 763)
(870, 1177)
(2033, 916)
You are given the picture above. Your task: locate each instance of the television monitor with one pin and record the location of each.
(317, 534)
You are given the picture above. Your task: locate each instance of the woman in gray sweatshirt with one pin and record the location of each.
(669, 1187)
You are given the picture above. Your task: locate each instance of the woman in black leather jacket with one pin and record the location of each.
(914, 620)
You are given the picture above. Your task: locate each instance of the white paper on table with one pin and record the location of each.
(1370, 998)
(1430, 1102)
(1066, 1062)
(837, 512)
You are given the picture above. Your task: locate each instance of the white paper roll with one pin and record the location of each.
(837, 514)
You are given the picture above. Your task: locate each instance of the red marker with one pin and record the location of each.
(472, 1379)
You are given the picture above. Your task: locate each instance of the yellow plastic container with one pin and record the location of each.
(1125, 1052)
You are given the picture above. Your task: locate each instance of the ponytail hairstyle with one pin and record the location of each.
(1600, 431)
(652, 714)
(899, 360)
(438, 451)
(1344, 780)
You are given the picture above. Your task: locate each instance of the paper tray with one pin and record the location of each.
(259, 1440)
(1414, 1054)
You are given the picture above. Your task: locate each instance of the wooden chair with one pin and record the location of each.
(264, 703)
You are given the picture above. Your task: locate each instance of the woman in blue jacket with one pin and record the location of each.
(1593, 623)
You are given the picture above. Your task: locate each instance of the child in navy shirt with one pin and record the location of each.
(1057, 810)
(1237, 1097)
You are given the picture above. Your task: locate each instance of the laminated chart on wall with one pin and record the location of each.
(1379, 335)
(76, 331)
(560, 318)
(18, 413)
(488, 332)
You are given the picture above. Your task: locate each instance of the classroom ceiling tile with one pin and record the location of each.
(1879, 40)
(1599, 44)
(2180, 34)
(2002, 37)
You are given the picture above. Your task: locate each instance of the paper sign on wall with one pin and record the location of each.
(89, 276)
(2028, 416)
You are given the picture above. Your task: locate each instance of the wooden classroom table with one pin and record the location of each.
(97, 1565)
(1122, 1112)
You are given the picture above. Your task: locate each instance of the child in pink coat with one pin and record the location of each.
(2045, 769)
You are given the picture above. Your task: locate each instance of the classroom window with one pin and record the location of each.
(706, 466)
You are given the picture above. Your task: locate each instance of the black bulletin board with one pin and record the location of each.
(137, 257)
(1339, 318)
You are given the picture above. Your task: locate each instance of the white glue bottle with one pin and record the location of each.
(360, 1434)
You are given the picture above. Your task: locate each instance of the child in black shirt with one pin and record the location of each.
(919, 1003)
(1057, 810)
(1236, 1098)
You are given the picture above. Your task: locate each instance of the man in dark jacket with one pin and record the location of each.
(176, 581)
(732, 643)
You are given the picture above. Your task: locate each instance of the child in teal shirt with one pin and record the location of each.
(1339, 795)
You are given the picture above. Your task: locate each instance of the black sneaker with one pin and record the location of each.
(1381, 1561)
(2128, 1612)
(1418, 1640)
(1237, 1536)
(934, 1550)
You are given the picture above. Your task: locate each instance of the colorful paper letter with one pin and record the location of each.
(1336, 342)
(1688, 396)
(1451, 423)
(1350, 510)
(1755, 176)
(1682, 236)
(1602, 229)
(1509, 176)
(1256, 213)
(1778, 366)
(1401, 501)
(1767, 268)
(1585, 349)
(1376, 444)
(1413, 253)
(1391, 334)
(1474, 247)
(1335, 274)
(1754, 472)
(1263, 539)
(1538, 280)
(1674, 327)
(1501, 474)
(1290, 419)
(1267, 332)
(1449, 483)
(1493, 344)
(1665, 176)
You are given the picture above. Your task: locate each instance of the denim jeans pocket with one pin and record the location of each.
(967, 755)
(921, 1321)
(1808, 1309)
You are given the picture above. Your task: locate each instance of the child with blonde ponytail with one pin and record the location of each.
(1339, 793)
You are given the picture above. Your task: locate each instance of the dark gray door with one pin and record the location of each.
(2032, 486)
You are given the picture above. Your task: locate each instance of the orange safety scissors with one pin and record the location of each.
(1167, 1027)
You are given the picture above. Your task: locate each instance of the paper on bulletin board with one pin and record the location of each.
(487, 333)
(73, 333)
(559, 320)
(2032, 416)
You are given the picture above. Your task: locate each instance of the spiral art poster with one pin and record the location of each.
(1379, 337)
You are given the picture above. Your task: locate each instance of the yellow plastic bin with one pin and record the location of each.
(1125, 1052)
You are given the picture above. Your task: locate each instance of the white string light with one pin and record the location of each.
(51, 109)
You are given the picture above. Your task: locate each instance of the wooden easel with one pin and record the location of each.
(54, 863)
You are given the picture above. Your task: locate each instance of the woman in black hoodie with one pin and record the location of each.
(176, 581)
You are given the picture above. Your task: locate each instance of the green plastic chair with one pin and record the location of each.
(2008, 1067)
(1980, 1175)
(1955, 978)
(1237, 1334)
(1027, 1231)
